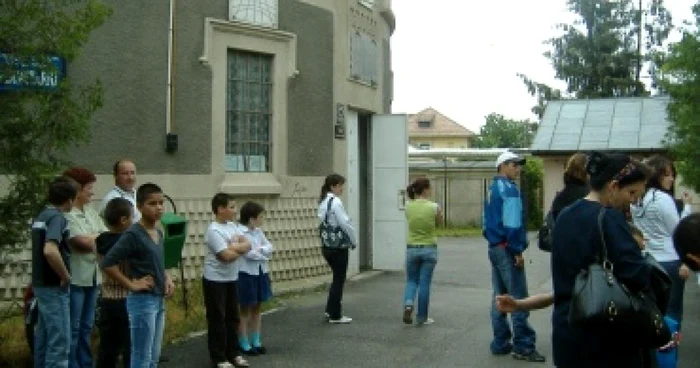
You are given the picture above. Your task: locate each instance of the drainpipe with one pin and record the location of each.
(170, 87)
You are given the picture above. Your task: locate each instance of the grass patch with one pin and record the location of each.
(14, 351)
(458, 231)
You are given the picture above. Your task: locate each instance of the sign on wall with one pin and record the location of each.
(258, 12)
(20, 74)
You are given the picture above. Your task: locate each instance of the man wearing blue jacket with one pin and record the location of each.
(506, 234)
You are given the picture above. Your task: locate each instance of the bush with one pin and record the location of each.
(532, 184)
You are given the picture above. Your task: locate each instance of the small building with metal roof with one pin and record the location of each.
(636, 126)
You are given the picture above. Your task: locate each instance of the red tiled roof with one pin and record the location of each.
(440, 125)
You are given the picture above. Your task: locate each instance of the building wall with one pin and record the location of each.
(441, 142)
(129, 55)
(464, 203)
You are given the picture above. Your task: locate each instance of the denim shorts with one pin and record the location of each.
(253, 289)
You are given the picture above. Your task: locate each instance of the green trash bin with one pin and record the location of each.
(174, 236)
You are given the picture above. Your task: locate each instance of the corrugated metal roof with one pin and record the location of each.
(614, 124)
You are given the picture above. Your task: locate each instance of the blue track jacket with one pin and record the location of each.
(504, 216)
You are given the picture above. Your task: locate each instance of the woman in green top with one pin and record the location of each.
(84, 225)
(422, 216)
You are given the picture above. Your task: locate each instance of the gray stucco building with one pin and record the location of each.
(253, 91)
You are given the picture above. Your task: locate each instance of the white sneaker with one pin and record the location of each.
(342, 320)
(224, 365)
(428, 321)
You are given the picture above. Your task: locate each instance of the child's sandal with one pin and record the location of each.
(240, 362)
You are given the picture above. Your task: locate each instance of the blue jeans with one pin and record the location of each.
(146, 319)
(52, 335)
(675, 302)
(509, 279)
(420, 263)
(83, 300)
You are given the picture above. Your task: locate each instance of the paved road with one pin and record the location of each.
(297, 336)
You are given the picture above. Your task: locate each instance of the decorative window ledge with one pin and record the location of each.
(251, 183)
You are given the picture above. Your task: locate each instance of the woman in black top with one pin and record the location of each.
(616, 181)
(575, 183)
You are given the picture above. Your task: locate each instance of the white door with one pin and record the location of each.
(389, 181)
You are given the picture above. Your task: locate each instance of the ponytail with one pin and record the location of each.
(411, 191)
(324, 191)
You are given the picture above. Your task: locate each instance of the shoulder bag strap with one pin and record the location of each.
(328, 209)
(603, 254)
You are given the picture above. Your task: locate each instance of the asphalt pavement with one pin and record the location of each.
(297, 334)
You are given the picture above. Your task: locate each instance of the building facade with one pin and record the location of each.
(241, 96)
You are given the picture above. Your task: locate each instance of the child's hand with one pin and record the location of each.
(169, 287)
(143, 284)
(506, 304)
(684, 272)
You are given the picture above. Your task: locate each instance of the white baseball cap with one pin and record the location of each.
(509, 156)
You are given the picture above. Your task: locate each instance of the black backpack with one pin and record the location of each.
(545, 233)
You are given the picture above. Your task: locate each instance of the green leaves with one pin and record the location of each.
(603, 53)
(500, 132)
(681, 73)
(38, 127)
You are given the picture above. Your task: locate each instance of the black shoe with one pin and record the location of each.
(533, 356)
(250, 352)
(408, 315)
(261, 350)
(163, 359)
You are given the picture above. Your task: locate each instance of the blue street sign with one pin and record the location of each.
(16, 74)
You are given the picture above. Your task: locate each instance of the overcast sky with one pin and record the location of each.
(461, 57)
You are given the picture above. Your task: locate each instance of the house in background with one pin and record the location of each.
(431, 129)
(636, 126)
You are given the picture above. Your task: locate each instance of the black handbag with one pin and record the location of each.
(332, 236)
(602, 303)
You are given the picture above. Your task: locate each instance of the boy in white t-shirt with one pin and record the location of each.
(225, 243)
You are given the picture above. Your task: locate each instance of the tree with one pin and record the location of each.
(38, 125)
(682, 81)
(500, 132)
(603, 53)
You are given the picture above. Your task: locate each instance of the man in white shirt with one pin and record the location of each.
(124, 186)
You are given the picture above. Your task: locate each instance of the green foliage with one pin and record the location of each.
(603, 53)
(533, 186)
(682, 81)
(500, 132)
(38, 127)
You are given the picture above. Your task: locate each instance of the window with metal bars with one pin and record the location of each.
(248, 112)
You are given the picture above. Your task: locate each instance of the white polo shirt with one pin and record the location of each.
(117, 192)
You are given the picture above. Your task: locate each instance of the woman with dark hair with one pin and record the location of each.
(422, 216)
(616, 181)
(85, 225)
(657, 216)
(330, 210)
(575, 184)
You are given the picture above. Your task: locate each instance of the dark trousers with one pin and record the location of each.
(338, 261)
(221, 303)
(115, 339)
